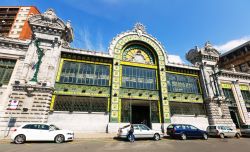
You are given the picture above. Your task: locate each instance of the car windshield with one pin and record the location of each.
(53, 127)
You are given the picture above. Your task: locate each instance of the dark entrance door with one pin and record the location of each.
(234, 116)
(141, 115)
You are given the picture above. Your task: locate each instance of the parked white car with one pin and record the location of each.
(222, 131)
(41, 132)
(140, 131)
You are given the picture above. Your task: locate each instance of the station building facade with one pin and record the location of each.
(89, 91)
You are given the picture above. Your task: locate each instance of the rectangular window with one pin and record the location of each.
(228, 93)
(80, 104)
(182, 83)
(6, 69)
(138, 78)
(186, 108)
(85, 73)
(246, 96)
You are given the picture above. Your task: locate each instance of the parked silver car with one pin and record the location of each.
(140, 131)
(245, 130)
(222, 131)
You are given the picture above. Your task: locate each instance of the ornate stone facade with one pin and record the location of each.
(134, 82)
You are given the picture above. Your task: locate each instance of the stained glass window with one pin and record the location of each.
(182, 83)
(138, 78)
(85, 73)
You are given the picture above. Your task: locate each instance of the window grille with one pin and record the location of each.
(6, 69)
(80, 104)
(181, 108)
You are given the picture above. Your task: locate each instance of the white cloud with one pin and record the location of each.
(175, 59)
(231, 44)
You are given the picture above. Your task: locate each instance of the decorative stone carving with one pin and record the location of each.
(139, 29)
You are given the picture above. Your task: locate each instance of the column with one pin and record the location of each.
(241, 107)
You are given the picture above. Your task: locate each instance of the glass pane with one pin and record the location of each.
(85, 73)
(139, 78)
(182, 83)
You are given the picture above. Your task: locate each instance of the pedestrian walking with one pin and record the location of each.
(131, 133)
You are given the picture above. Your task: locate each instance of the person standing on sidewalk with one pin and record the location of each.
(131, 133)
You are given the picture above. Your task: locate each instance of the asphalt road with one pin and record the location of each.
(164, 145)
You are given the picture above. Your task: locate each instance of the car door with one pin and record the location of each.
(145, 131)
(137, 131)
(45, 133)
(193, 131)
(29, 131)
(34, 133)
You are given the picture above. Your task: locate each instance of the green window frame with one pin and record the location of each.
(6, 69)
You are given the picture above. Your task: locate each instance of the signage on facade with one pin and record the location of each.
(13, 104)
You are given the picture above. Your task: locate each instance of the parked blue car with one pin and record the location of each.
(184, 131)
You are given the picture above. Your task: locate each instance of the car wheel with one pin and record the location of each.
(237, 135)
(59, 139)
(205, 136)
(157, 137)
(222, 136)
(19, 139)
(183, 136)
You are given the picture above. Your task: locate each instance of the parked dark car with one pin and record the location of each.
(184, 131)
(245, 130)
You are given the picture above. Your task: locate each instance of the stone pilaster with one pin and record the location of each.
(241, 106)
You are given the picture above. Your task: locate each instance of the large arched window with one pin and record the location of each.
(139, 54)
(137, 71)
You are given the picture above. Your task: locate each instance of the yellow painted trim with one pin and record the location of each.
(199, 85)
(244, 87)
(120, 76)
(108, 108)
(74, 60)
(119, 110)
(193, 75)
(157, 83)
(159, 109)
(149, 66)
(52, 102)
(59, 70)
(226, 85)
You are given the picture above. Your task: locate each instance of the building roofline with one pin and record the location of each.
(86, 52)
(21, 6)
(182, 66)
(234, 49)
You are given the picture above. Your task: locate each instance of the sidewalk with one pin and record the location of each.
(78, 136)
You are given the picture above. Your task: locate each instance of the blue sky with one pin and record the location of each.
(178, 24)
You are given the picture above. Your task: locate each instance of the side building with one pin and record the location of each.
(89, 91)
(14, 21)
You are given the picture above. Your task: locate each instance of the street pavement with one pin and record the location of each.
(102, 145)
